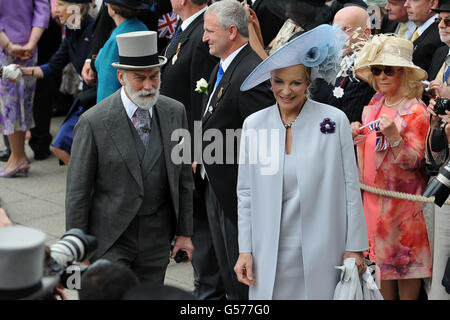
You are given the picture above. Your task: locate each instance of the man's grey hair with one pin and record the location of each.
(230, 12)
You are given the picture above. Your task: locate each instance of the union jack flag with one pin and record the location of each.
(167, 24)
(381, 141)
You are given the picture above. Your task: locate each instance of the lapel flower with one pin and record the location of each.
(327, 126)
(202, 86)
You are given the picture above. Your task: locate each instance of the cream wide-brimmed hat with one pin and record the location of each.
(387, 50)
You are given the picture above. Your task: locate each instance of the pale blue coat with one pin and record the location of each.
(330, 200)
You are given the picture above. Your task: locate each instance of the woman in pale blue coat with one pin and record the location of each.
(299, 202)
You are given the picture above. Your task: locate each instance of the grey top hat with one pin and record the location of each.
(444, 6)
(22, 252)
(138, 50)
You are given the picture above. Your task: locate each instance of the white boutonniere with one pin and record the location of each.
(202, 86)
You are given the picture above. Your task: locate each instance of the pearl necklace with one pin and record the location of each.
(392, 104)
(289, 124)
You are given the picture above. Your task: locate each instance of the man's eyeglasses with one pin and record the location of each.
(446, 21)
(389, 71)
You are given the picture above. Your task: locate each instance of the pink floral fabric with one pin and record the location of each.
(397, 232)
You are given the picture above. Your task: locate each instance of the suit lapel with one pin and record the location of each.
(184, 38)
(116, 123)
(166, 124)
(223, 85)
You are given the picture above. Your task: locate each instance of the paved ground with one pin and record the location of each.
(38, 201)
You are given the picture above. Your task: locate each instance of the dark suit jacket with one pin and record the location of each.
(388, 26)
(193, 62)
(356, 96)
(104, 180)
(230, 107)
(270, 17)
(436, 62)
(426, 45)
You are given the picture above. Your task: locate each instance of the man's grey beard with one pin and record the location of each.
(138, 98)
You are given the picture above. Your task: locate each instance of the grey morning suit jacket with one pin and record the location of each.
(104, 180)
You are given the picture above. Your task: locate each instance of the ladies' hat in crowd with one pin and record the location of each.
(22, 252)
(319, 49)
(138, 50)
(132, 4)
(444, 6)
(387, 50)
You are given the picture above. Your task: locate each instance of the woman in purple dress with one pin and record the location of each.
(22, 23)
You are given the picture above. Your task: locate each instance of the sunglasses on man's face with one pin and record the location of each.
(446, 21)
(389, 71)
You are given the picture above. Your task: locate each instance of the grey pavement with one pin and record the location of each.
(37, 201)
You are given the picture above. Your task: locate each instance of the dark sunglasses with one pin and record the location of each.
(389, 71)
(446, 21)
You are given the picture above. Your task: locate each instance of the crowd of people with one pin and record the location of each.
(310, 112)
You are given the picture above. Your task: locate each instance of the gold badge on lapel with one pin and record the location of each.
(219, 95)
(175, 57)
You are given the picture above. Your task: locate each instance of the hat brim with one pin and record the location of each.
(49, 284)
(294, 52)
(364, 72)
(444, 8)
(162, 61)
(141, 6)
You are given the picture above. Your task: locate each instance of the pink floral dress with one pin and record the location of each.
(398, 241)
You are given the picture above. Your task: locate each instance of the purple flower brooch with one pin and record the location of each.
(327, 126)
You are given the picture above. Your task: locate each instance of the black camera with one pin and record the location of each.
(441, 105)
(439, 187)
(181, 255)
(74, 245)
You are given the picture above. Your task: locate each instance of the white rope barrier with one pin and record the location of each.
(398, 195)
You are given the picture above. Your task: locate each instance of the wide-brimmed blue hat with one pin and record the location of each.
(132, 4)
(319, 49)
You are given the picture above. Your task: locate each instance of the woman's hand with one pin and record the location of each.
(27, 71)
(354, 126)
(15, 51)
(388, 128)
(446, 118)
(439, 89)
(88, 74)
(435, 120)
(360, 261)
(28, 51)
(244, 269)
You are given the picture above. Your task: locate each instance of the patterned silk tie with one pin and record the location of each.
(141, 120)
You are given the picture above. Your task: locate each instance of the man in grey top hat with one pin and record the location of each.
(122, 185)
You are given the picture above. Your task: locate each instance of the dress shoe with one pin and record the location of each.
(42, 154)
(17, 170)
(4, 155)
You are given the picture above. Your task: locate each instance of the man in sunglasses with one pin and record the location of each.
(426, 37)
